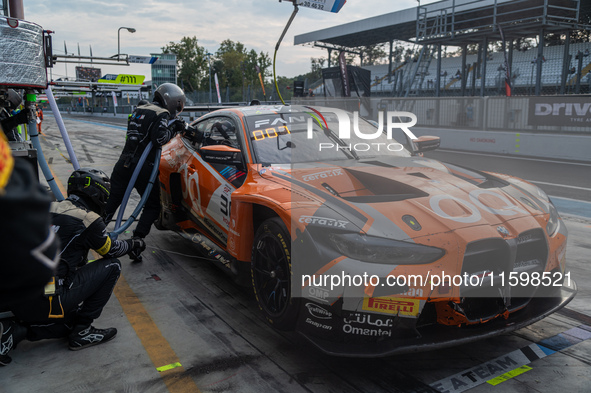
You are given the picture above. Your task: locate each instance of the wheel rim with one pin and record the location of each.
(271, 275)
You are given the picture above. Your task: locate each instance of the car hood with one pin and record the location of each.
(399, 197)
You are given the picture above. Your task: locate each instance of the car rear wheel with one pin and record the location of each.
(271, 274)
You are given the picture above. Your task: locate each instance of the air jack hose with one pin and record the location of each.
(121, 228)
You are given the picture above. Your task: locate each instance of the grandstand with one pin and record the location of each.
(560, 69)
(523, 73)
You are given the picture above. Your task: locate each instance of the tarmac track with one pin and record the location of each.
(178, 311)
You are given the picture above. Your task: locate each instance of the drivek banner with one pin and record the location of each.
(559, 111)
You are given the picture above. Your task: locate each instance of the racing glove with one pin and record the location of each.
(193, 134)
(137, 245)
(179, 126)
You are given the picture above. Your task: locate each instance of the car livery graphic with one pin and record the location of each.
(363, 246)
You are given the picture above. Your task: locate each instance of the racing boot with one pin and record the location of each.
(87, 336)
(11, 333)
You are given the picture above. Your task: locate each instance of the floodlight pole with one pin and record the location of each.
(131, 30)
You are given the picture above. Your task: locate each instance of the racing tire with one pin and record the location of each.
(271, 274)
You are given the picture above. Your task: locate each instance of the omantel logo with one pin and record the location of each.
(344, 130)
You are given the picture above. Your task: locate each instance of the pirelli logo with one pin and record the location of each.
(392, 305)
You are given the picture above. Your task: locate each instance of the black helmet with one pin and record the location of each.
(10, 99)
(91, 185)
(171, 97)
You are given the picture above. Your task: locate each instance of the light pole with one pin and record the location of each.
(131, 30)
(209, 60)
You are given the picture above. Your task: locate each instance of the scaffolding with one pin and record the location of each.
(462, 23)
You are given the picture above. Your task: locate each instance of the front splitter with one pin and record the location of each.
(439, 336)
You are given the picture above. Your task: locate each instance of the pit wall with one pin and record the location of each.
(555, 146)
(557, 127)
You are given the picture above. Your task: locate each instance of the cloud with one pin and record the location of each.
(256, 23)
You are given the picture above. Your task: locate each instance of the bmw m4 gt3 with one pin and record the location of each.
(350, 236)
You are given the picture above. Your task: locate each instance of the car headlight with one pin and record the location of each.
(381, 250)
(553, 221)
(542, 195)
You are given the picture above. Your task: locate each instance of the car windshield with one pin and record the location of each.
(283, 138)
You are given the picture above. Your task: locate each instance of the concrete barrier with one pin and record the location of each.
(567, 147)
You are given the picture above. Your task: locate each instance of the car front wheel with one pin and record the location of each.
(271, 274)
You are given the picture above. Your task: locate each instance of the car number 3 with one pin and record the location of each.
(225, 205)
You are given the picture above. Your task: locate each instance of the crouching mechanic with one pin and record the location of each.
(81, 289)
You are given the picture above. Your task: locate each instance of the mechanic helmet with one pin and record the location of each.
(142, 102)
(171, 97)
(93, 186)
(10, 99)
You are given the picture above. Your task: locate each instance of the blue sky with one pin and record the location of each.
(256, 23)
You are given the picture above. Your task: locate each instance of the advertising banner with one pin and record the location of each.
(559, 111)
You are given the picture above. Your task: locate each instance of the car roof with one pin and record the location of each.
(256, 110)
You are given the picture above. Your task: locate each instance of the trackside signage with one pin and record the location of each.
(560, 111)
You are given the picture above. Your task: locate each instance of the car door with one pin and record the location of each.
(216, 182)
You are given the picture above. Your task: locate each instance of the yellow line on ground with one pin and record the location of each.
(161, 354)
(154, 343)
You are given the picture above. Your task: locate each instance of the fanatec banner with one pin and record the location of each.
(560, 111)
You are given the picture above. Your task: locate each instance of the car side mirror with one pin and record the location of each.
(221, 154)
(425, 143)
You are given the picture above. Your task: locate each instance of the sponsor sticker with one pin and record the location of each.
(329, 222)
(318, 312)
(392, 305)
(317, 293)
(318, 324)
(323, 174)
(359, 324)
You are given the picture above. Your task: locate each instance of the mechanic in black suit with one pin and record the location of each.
(148, 122)
(80, 289)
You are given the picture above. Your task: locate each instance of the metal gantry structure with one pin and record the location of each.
(459, 23)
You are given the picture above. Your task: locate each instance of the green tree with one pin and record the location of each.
(192, 62)
(373, 54)
(237, 68)
(316, 66)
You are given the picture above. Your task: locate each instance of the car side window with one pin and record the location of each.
(220, 131)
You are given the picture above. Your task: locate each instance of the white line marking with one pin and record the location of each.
(568, 199)
(513, 158)
(560, 185)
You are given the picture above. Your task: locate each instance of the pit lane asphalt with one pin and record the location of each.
(175, 308)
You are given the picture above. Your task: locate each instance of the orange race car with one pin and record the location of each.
(357, 241)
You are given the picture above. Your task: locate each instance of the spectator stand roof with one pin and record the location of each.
(452, 22)
(455, 23)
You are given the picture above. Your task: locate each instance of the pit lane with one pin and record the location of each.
(184, 326)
